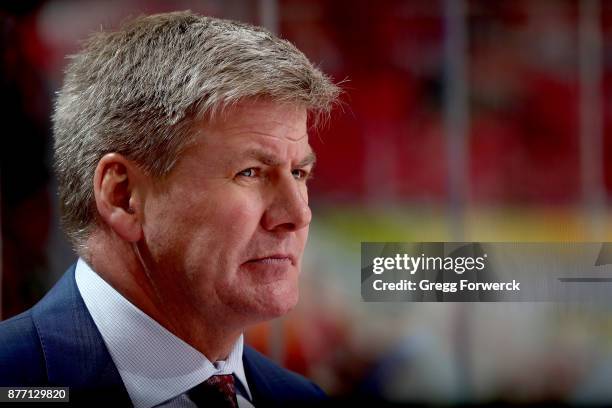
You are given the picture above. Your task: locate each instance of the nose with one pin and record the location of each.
(288, 209)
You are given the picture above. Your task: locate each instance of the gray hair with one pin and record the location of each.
(137, 91)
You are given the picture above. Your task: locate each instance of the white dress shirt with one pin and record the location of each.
(157, 368)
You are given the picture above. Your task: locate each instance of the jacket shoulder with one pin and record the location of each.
(288, 385)
(21, 357)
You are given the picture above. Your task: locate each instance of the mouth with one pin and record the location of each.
(274, 259)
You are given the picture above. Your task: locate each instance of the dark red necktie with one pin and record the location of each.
(217, 391)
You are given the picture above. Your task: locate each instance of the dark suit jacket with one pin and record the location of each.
(56, 343)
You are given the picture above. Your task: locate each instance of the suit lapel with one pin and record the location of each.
(266, 386)
(74, 351)
(260, 387)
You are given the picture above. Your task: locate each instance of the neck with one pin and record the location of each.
(127, 272)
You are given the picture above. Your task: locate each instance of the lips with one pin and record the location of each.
(274, 259)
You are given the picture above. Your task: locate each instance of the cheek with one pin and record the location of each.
(223, 231)
(247, 210)
(217, 225)
(239, 218)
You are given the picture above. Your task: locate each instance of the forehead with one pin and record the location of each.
(280, 127)
(267, 118)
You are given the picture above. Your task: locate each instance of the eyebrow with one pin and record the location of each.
(271, 160)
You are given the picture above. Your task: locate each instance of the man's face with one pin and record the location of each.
(226, 230)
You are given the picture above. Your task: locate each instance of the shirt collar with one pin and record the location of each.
(154, 364)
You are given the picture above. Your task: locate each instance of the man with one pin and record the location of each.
(182, 156)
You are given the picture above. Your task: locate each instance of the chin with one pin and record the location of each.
(287, 306)
(266, 302)
(279, 304)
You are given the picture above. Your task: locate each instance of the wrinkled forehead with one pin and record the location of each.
(287, 120)
(260, 126)
(257, 122)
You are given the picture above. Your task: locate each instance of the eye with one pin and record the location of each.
(250, 172)
(300, 174)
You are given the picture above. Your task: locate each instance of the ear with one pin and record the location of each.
(119, 191)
